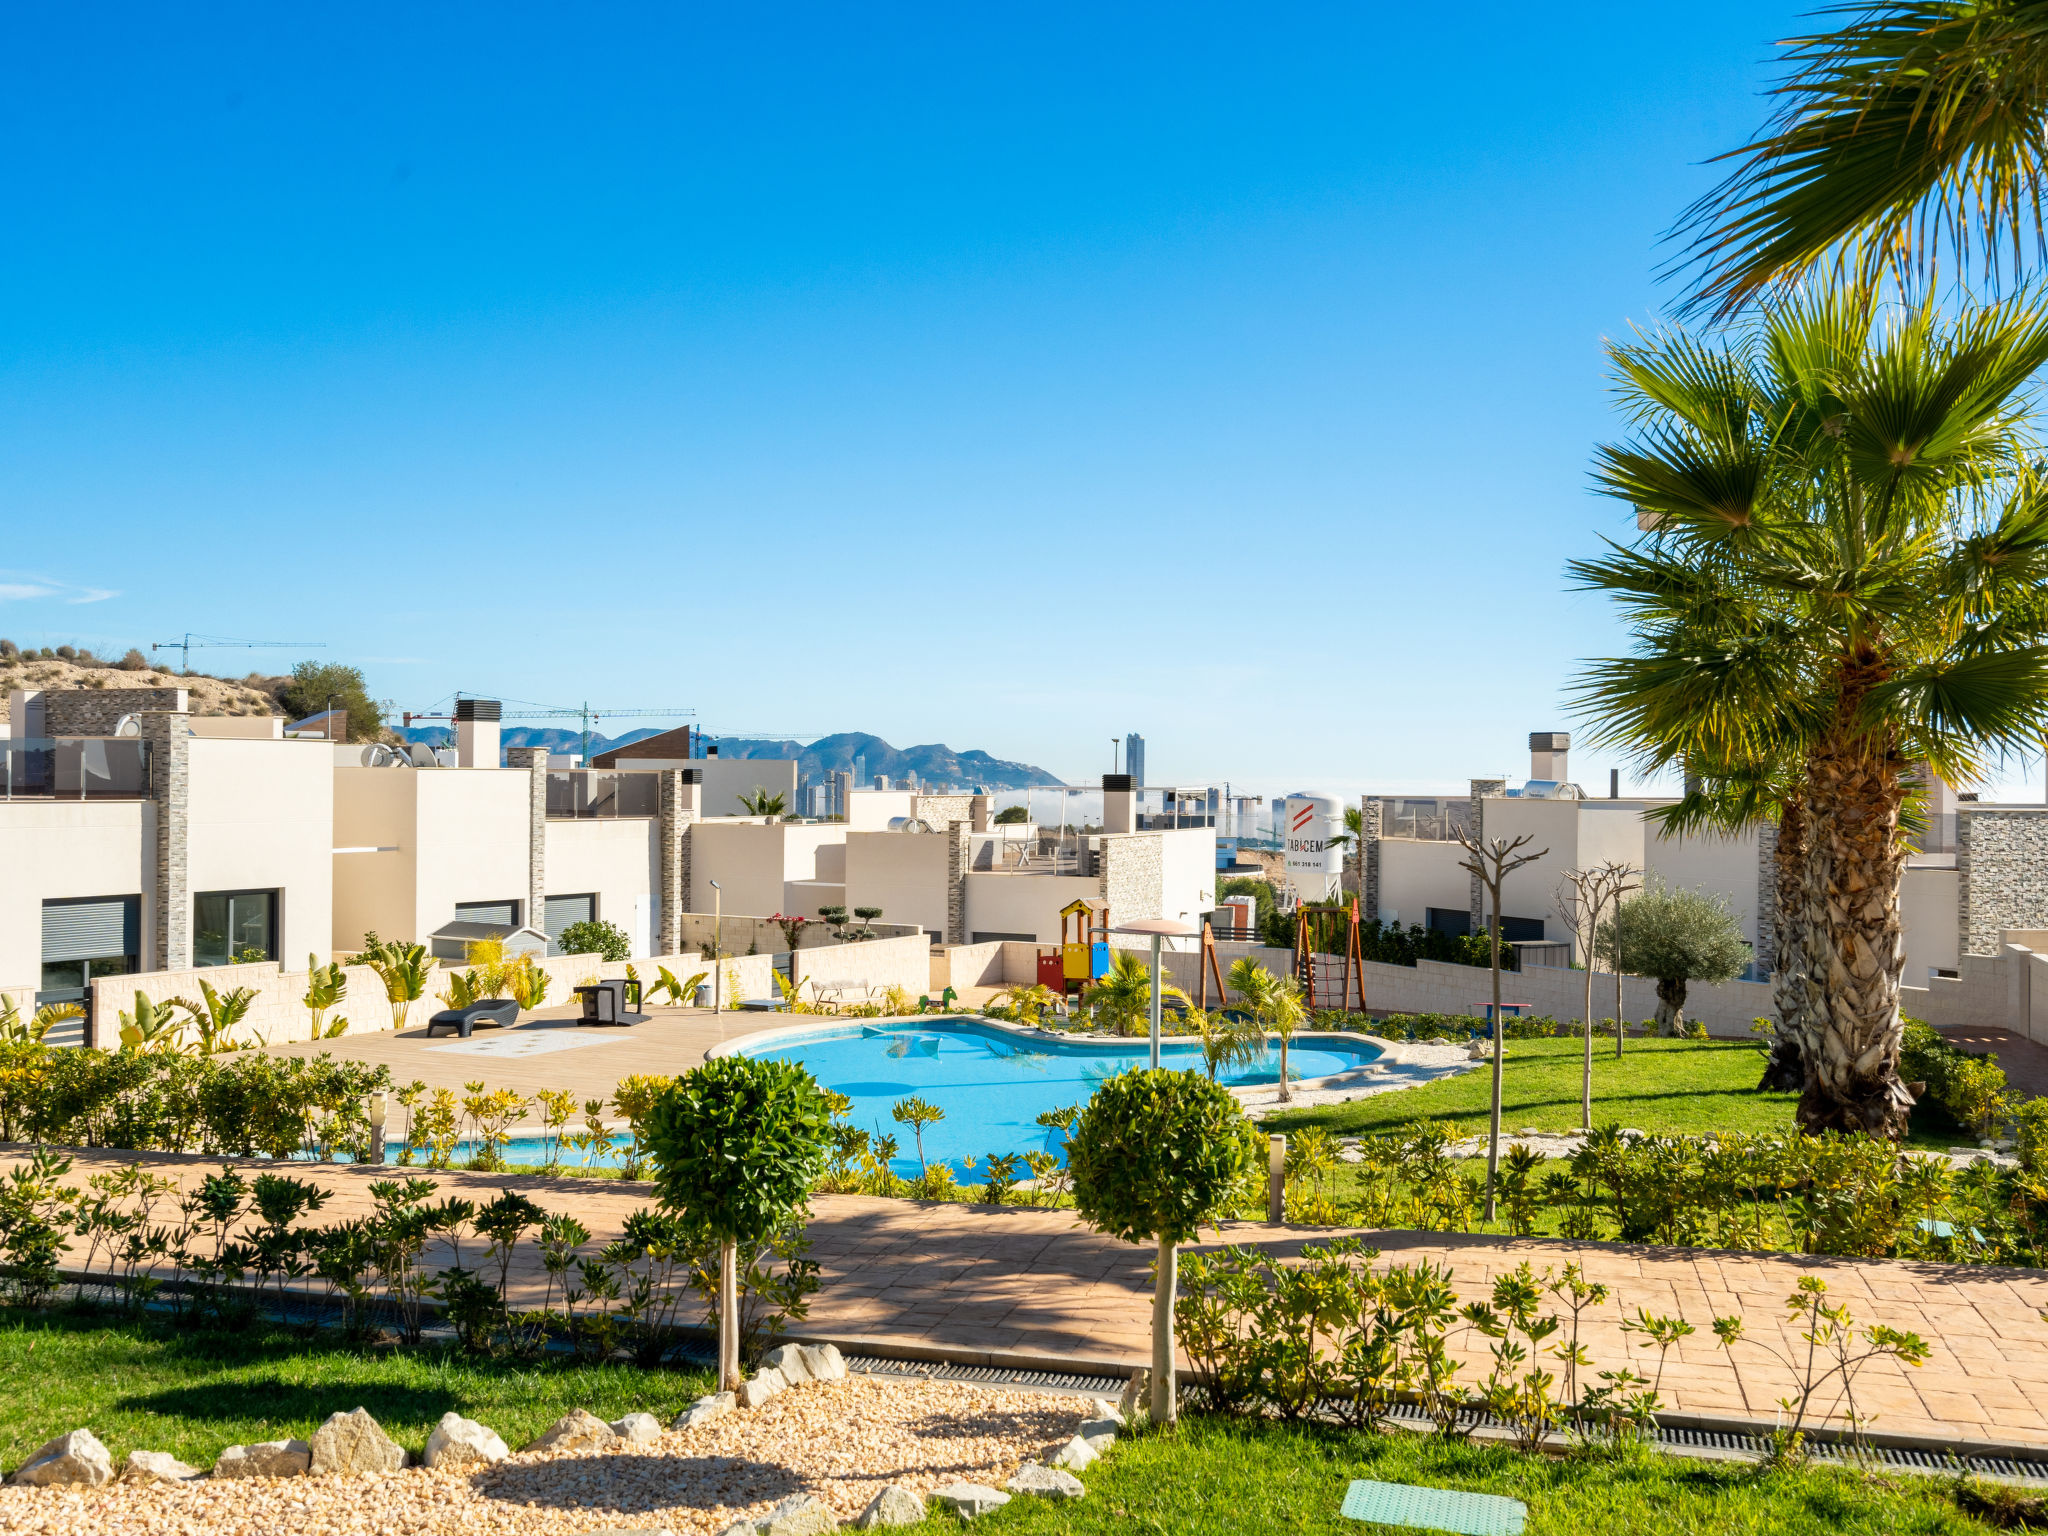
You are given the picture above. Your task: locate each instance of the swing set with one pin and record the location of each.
(1328, 947)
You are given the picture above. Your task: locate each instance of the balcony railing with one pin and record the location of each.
(583, 794)
(74, 768)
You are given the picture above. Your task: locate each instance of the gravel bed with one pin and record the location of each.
(840, 1441)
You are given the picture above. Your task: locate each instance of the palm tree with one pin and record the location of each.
(1919, 128)
(761, 803)
(1842, 575)
(1123, 996)
(1274, 1002)
(1229, 1038)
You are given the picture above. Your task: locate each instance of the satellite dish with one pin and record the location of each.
(420, 755)
(128, 725)
(376, 755)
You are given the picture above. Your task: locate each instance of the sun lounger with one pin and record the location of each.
(497, 1013)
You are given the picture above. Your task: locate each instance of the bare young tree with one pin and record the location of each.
(1583, 896)
(1492, 862)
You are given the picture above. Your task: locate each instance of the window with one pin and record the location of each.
(562, 911)
(96, 936)
(1014, 938)
(505, 914)
(233, 927)
(1452, 920)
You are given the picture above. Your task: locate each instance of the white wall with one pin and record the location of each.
(747, 860)
(998, 903)
(1416, 875)
(1187, 873)
(1929, 899)
(727, 778)
(871, 810)
(903, 873)
(1721, 866)
(617, 860)
(374, 892)
(261, 817)
(50, 849)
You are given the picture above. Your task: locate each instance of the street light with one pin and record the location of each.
(1157, 929)
(717, 941)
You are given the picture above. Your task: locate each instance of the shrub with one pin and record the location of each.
(737, 1144)
(318, 686)
(134, 661)
(1156, 1155)
(1964, 1089)
(596, 936)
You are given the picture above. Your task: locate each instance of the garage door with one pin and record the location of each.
(562, 911)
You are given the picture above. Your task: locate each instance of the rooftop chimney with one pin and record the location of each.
(476, 732)
(1119, 804)
(1548, 752)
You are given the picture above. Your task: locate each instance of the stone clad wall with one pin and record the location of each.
(1132, 880)
(94, 711)
(2002, 867)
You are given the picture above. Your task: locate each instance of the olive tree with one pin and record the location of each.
(1674, 936)
(737, 1144)
(1157, 1155)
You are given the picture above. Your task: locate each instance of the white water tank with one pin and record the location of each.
(1315, 863)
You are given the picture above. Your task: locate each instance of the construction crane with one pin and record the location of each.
(191, 642)
(588, 714)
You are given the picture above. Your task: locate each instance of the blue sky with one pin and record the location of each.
(1012, 377)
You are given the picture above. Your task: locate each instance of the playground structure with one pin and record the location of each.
(1083, 953)
(1331, 974)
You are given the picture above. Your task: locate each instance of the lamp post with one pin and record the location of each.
(1158, 930)
(717, 943)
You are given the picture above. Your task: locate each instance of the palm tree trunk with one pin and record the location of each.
(1796, 989)
(1852, 906)
(1286, 1094)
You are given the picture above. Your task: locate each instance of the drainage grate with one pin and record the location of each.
(988, 1375)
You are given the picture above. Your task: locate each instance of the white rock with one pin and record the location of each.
(1045, 1482)
(354, 1443)
(892, 1506)
(1136, 1402)
(1077, 1455)
(970, 1499)
(577, 1430)
(715, 1405)
(761, 1386)
(156, 1467)
(789, 1360)
(458, 1442)
(71, 1459)
(1099, 1433)
(266, 1458)
(824, 1362)
(801, 1514)
(637, 1428)
(1103, 1408)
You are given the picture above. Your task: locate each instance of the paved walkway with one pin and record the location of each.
(984, 1285)
(2025, 1063)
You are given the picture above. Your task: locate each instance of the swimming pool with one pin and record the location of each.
(993, 1084)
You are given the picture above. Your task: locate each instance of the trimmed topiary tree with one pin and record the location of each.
(1156, 1156)
(737, 1144)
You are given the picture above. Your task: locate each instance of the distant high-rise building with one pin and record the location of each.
(1134, 759)
(860, 769)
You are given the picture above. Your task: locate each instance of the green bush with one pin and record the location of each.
(316, 686)
(737, 1144)
(1965, 1089)
(595, 936)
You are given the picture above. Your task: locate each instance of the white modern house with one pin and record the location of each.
(136, 836)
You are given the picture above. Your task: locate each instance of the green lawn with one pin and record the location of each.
(1659, 1086)
(1230, 1477)
(193, 1393)
(143, 1386)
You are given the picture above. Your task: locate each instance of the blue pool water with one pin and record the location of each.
(993, 1085)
